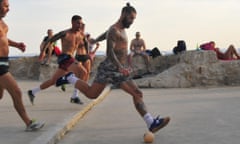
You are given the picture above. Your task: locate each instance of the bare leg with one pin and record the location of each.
(131, 88)
(87, 66)
(53, 80)
(11, 86)
(50, 50)
(231, 51)
(92, 91)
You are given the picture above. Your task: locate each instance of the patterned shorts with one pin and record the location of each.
(108, 73)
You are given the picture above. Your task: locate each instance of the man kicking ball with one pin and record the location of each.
(115, 69)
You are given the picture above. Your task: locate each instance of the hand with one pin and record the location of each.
(21, 46)
(125, 71)
(97, 44)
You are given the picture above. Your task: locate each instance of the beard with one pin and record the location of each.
(125, 23)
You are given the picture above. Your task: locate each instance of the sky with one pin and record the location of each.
(161, 22)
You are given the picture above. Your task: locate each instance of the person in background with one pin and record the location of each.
(229, 54)
(91, 49)
(7, 81)
(71, 39)
(49, 50)
(138, 47)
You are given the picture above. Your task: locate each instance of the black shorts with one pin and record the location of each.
(82, 58)
(4, 65)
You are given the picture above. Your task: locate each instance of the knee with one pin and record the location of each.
(90, 96)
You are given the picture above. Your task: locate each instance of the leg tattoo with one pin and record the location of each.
(141, 108)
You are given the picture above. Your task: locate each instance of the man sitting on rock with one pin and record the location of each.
(138, 47)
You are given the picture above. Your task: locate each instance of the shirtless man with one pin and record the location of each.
(71, 39)
(83, 58)
(114, 69)
(6, 79)
(138, 47)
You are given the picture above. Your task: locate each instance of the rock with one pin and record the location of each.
(188, 69)
(193, 69)
(25, 68)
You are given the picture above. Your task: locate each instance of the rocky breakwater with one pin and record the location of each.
(189, 69)
(192, 69)
(29, 68)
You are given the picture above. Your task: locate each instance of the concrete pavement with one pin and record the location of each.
(51, 106)
(198, 116)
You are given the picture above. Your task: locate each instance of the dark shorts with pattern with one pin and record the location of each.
(108, 73)
(82, 58)
(65, 61)
(4, 65)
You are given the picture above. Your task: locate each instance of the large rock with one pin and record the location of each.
(192, 69)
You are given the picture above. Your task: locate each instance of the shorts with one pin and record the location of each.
(82, 58)
(109, 73)
(65, 61)
(4, 65)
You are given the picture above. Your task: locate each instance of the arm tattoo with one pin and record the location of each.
(111, 42)
(101, 37)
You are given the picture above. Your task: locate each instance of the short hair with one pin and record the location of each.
(128, 9)
(76, 17)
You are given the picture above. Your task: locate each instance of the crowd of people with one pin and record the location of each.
(74, 65)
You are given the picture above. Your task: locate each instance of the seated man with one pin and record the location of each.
(138, 47)
(229, 54)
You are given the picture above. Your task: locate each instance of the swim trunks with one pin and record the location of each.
(65, 61)
(109, 73)
(82, 58)
(4, 65)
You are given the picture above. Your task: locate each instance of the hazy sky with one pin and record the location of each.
(161, 22)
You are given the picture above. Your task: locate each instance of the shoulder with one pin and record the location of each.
(112, 32)
(45, 38)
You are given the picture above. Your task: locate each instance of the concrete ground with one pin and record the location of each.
(198, 116)
(51, 106)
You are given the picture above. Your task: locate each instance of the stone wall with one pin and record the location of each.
(189, 69)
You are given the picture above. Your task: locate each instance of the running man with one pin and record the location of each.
(115, 69)
(71, 39)
(7, 81)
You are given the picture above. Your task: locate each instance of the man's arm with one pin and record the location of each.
(19, 45)
(144, 45)
(100, 38)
